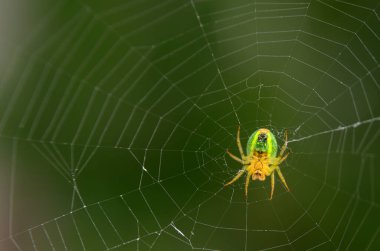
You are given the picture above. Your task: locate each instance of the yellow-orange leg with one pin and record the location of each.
(278, 161)
(282, 178)
(239, 143)
(247, 179)
(285, 144)
(234, 157)
(282, 159)
(240, 173)
(271, 185)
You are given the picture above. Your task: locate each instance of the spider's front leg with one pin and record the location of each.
(283, 148)
(243, 160)
(239, 143)
(277, 162)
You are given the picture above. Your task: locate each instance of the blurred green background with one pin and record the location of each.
(115, 117)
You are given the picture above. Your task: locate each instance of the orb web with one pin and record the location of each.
(116, 117)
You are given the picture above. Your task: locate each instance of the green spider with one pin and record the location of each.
(261, 159)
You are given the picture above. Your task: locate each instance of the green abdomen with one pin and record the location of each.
(271, 148)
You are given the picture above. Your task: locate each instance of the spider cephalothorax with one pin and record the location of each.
(261, 159)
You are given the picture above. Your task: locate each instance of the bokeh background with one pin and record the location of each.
(115, 117)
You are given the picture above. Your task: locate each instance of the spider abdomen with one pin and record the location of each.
(262, 141)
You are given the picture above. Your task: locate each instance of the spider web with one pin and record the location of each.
(115, 118)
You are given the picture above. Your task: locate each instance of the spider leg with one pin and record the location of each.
(282, 177)
(239, 143)
(285, 144)
(234, 157)
(272, 185)
(282, 159)
(247, 179)
(240, 173)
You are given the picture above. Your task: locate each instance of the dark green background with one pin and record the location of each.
(115, 116)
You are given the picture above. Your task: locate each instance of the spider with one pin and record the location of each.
(261, 160)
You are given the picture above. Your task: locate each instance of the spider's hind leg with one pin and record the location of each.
(247, 179)
(272, 185)
(240, 173)
(282, 178)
